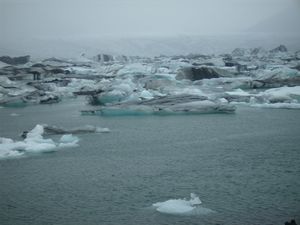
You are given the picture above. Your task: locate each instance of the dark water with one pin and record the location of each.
(244, 166)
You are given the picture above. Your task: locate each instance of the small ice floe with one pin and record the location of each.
(14, 114)
(238, 92)
(34, 142)
(278, 105)
(68, 140)
(8, 149)
(182, 206)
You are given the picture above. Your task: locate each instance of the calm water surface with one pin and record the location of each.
(244, 166)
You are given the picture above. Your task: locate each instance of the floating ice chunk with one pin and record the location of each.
(174, 206)
(179, 104)
(68, 140)
(35, 133)
(205, 106)
(278, 105)
(37, 147)
(283, 91)
(7, 150)
(132, 110)
(281, 95)
(102, 130)
(195, 200)
(14, 114)
(81, 70)
(79, 130)
(182, 206)
(188, 91)
(238, 92)
(283, 72)
(272, 78)
(34, 143)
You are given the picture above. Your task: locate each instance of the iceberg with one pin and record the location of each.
(165, 105)
(34, 143)
(281, 95)
(9, 149)
(277, 105)
(199, 73)
(276, 77)
(68, 140)
(182, 206)
(79, 130)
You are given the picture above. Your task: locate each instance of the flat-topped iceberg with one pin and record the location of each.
(78, 130)
(165, 105)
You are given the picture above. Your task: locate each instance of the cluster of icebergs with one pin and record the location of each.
(192, 83)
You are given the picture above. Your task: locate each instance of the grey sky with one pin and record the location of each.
(70, 27)
(81, 18)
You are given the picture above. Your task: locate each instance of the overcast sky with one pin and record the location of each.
(144, 27)
(123, 18)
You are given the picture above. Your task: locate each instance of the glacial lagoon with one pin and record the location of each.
(243, 166)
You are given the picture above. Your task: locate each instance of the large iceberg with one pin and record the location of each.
(164, 105)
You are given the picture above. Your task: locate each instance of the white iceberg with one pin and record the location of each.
(182, 206)
(8, 148)
(34, 143)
